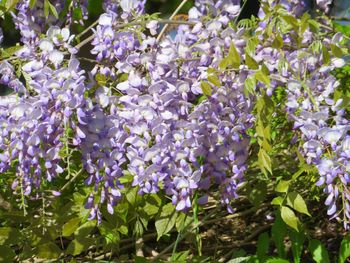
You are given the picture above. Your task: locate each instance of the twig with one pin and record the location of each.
(162, 32)
(240, 12)
(72, 180)
(87, 29)
(341, 18)
(235, 215)
(162, 21)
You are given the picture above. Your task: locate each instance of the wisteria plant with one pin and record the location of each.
(116, 129)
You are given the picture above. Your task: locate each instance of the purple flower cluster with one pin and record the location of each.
(164, 112)
(32, 127)
(31, 22)
(320, 120)
(155, 127)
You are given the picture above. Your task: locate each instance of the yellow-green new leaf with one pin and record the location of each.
(262, 78)
(69, 228)
(336, 51)
(206, 88)
(289, 217)
(48, 251)
(277, 200)
(264, 161)
(214, 80)
(282, 186)
(251, 63)
(297, 202)
(277, 42)
(234, 57)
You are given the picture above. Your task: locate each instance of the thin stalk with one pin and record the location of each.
(72, 180)
(177, 241)
(177, 10)
(162, 21)
(87, 29)
(196, 221)
(236, 19)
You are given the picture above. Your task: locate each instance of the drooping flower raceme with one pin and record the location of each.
(173, 113)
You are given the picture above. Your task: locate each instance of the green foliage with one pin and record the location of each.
(233, 59)
(344, 251)
(318, 251)
(166, 220)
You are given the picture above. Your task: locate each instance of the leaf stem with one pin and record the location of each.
(72, 180)
(177, 10)
(162, 21)
(87, 29)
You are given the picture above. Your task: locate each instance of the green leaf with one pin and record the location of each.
(239, 260)
(326, 55)
(278, 233)
(48, 251)
(282, 186)
(234, 57)
(249, 86)
(263, 245)
(151, 209)
(53, 10)
(277, 260)
(7, 254)
(277, 200)
(214, 80)
(46, 8)
(297, 244)
(32, 3)
(10, 4)
(277, 42)
(336, 51)
(291, 20)
(289, 217)
(314, 25)
(139, 228)
(297, 202)
(85, 229)
(10, 236)
(251, 63)
(126, 178)
(123, 230)
(253, 259)
(69, 228)
(110, 233)
(182, 221)
(224, 63)
(264, 161)
(131, 195)
(166, 221)
(257, 193)
(10, 51)
(206, 88)
(344, 251)
(78, 246)
(101, 79)
(318, 251)
(263, 78)
(180, 257)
